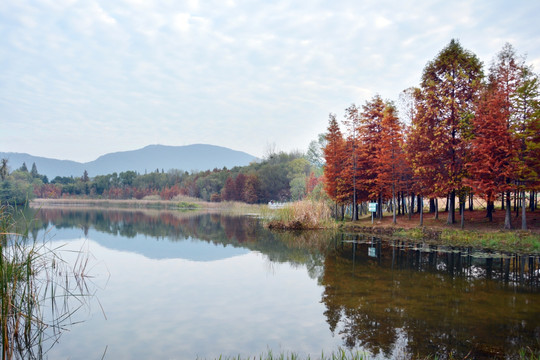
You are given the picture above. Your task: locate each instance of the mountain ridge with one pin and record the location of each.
(194, 157)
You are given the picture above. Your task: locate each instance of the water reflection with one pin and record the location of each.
(398, 299)
(393, 299)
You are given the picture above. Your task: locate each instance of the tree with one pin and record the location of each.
(389, 155)
(315, 153)
(34, 171)
(526, 128)
(23, 168)
(494, 156)
(334, 153)
(4, 169)
(85, 177)
(352, 122)
(370, 134)
(450, 85)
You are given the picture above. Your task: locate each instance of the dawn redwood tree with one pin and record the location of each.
(494, 156)
(389, 155)
(505, 78)
(421, 153)
(450, 84)
(371, 120)
(334, 153)
(526, 128)
(353, 153)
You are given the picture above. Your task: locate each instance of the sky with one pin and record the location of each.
(79, 79)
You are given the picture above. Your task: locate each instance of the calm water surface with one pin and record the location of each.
(184, 285)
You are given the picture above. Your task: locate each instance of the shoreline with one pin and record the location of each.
(478, 232)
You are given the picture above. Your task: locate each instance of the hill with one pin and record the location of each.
(197, 157)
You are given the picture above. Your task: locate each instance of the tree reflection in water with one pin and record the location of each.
(391, 297)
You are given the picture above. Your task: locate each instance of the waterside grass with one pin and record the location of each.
(340, 354)
(300, 215)
(515, 241)
(32, 275)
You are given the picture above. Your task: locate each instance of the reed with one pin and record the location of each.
(300, 215)
(36, 292)
(340, 354)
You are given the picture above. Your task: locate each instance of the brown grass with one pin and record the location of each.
(301, 215)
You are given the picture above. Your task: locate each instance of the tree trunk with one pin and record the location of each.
(523, 212)
(508, 215)
(411, 206)
(394, 203)
(451, 208)
(431, 205)
(516, 196)
(489, 214)
(447, 202)
(502, 201)
(437, 208)
(404, 202)
(379, 206)
(421, 201)
(462, 211)
(471, 202)
(354, 208)
(531, 200)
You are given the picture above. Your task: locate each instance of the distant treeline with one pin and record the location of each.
(280, 177)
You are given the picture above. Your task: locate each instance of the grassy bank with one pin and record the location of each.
(149, 202)
(478, 233)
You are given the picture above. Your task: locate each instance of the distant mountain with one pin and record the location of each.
(198, 157)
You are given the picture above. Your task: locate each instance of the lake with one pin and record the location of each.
(175, 285)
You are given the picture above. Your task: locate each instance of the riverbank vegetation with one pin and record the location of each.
(300, 215)
(39, 293)
(341, 354)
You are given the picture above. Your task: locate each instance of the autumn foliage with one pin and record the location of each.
(461, 133)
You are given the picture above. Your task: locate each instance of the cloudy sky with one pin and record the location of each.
(79, 79)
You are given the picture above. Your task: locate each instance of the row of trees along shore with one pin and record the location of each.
(280, 177)
(459, 133)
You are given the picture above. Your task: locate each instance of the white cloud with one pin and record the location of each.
(181, 22)
(381, 22)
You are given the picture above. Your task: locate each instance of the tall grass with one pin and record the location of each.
(300, 215)
(340, 354)
(36, 292)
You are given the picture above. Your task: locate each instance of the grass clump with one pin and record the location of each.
(187, 205)
(301, 215)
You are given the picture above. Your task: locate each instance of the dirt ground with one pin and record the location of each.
(474, 220)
